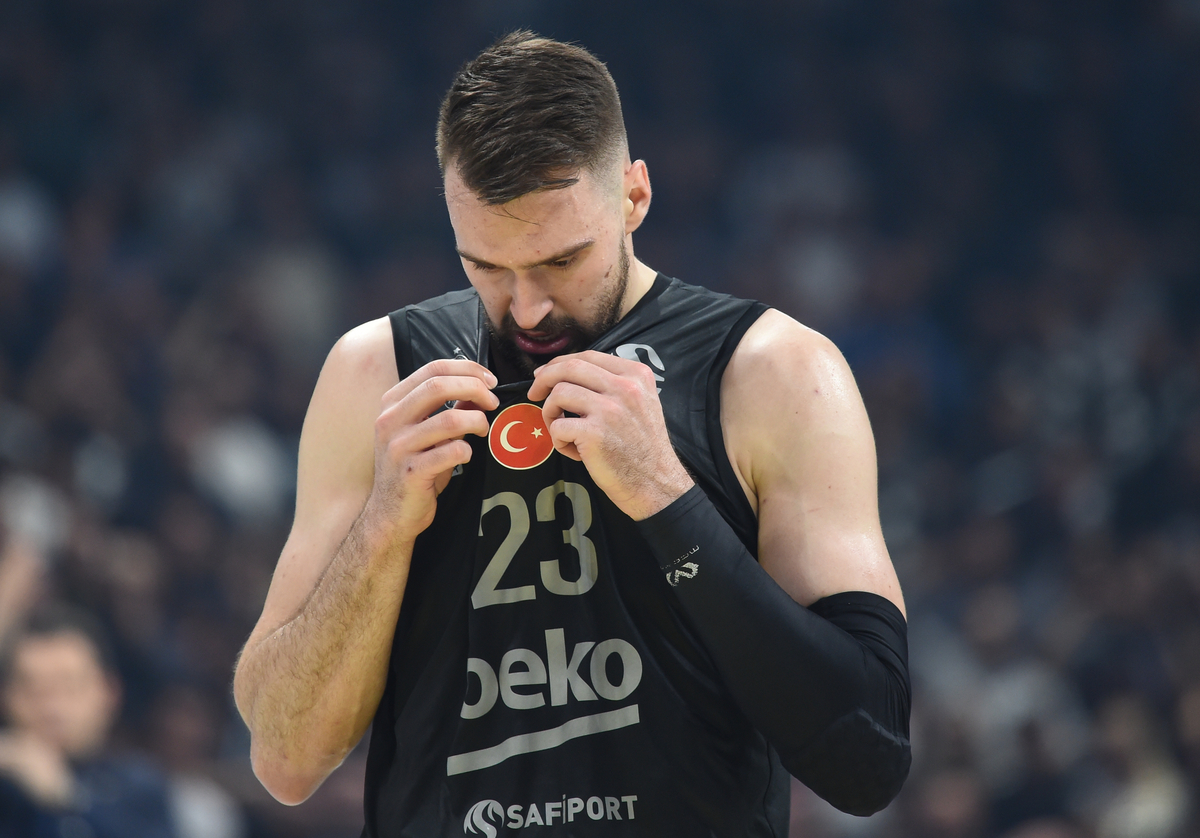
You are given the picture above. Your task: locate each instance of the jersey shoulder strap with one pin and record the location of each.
(449, 326)
(687, 334)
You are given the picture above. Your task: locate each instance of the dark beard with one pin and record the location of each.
(581, 336)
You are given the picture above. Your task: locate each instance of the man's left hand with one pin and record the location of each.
(604, 411)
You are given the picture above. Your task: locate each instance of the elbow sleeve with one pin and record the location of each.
(860, 762)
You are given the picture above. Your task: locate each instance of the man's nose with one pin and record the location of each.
(530, 303)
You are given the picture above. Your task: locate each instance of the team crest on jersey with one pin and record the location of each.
(519, 438)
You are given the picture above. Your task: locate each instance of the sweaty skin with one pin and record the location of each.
(373, 457)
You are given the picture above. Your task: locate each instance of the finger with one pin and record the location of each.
(402, 449)
(433, 393)
(576, 369)
(564, 433)
(611, 363)
(449, 424)
(434, 369)
(458, 423)
(440, 458)
(571, 398)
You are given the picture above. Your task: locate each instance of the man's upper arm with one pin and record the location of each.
(799, 438)
(336, 465)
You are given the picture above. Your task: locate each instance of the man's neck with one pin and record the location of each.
(641, 279)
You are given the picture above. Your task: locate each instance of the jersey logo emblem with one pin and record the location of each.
(483, 818)
(645, 354)
(519, 438)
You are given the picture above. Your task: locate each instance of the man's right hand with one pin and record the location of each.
(417, 444)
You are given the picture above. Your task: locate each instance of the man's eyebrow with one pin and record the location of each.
(565, 253)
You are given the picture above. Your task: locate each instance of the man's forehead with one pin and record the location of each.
(459, 196)
(527, 229)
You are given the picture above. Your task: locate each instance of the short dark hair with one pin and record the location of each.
(529, 113)
(59, 618)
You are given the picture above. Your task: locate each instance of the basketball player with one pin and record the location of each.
(598, 552)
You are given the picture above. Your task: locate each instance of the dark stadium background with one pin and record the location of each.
(993, 207)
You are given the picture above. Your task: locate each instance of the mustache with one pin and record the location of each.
(550, 326)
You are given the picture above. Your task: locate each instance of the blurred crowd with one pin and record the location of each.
(992, 207)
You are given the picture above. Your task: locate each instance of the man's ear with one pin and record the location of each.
(636, 190)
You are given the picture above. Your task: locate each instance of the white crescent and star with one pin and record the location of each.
(508, 446)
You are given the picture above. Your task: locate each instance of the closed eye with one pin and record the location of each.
(557, 264)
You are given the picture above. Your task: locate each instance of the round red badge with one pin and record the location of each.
(519, 439)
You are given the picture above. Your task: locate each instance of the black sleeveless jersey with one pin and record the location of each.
(543, 679)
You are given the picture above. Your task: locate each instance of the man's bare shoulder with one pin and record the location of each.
(778, 345)
(787, 388)
(337, 443)
(366, 355)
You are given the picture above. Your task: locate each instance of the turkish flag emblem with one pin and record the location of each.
(519, 439)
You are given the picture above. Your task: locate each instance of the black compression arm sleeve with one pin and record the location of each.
(827, 685)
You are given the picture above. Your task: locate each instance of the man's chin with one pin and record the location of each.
(522, 362)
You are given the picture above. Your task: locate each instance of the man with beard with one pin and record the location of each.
(597, 551)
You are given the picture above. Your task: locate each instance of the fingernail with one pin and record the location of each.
(492, 380)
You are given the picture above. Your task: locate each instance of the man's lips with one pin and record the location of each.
(534, 345)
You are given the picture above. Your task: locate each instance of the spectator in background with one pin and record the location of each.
(57, 776)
